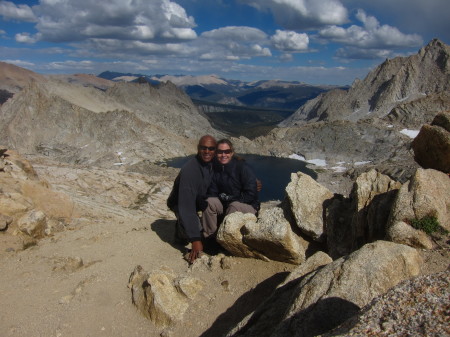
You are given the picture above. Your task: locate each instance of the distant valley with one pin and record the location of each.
(239, 108)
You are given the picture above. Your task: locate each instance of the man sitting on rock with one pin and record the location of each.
(188, 195)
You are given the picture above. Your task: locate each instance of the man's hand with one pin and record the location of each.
(258, 185)
(197, 248)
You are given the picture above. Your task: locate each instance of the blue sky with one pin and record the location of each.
(312, 41)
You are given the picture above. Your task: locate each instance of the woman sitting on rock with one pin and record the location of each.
(233, 188)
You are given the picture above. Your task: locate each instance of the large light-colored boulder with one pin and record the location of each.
(308, 200)
(373, 194)
(33, 223)
(403, 233)
(230, 236)
(272, 235)
(161, 296)
(323, 299)
(189, 286)
(432, 144)
(362, 218)
(426, 194)
(314, 262)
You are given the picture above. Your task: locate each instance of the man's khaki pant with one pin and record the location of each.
(215, 211)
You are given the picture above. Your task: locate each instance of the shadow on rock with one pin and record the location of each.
(319, 318)
(244, 305)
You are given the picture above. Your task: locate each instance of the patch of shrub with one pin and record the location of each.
(429, 224)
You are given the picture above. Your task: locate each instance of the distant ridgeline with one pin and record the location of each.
(239, 108)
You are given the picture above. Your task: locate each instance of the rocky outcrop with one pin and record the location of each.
(361, 218)
(368, 141)
(414, 307)
(273, 237)
(230, 237)
(426, 194)
(326, 297)
(34, 223)
(372, 195)
(14, 78)
(394, 82)
(269, 237)
(161, 296)
(373, 122)
(27, 203)
(126, 124)
(307, 200)
(432, 144)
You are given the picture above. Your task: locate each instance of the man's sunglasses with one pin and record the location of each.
(228, 151)
(204, 148)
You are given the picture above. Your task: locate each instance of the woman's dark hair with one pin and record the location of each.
(226, 141)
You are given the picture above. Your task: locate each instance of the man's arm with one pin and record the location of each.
(187, 196)
(249, 185)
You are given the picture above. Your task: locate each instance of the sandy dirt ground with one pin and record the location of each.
(74, 282)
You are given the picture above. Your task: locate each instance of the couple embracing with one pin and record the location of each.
(215, 182)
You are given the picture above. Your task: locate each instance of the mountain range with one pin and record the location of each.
(374, 121)
(267, 94)
(89, 119)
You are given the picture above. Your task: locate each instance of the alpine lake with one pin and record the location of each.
(274, 173)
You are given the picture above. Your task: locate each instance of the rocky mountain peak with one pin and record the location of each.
(396, 81)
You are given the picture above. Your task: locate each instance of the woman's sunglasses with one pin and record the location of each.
(228, 151)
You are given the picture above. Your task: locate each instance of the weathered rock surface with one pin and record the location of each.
(28, 202)
(33, 223)
(361, 218)
(432, 144)
(321, 300)
(126, 124)
(268, 237)
(370, 122)
(160, 296)
(373, 194)
(5, 221)
(416, 307)
(426, 194)
(308, 199)
(273, 237)
(398, 80)
(231, 238)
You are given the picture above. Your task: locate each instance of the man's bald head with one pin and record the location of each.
(206, 148)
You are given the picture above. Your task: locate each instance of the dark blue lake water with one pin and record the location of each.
(275, 173)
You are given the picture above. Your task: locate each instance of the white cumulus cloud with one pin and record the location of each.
(303, 14)
(9, 10)
(25, 38)
(290, 41)
(232, 43)
(370, 35)
(159, 21)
